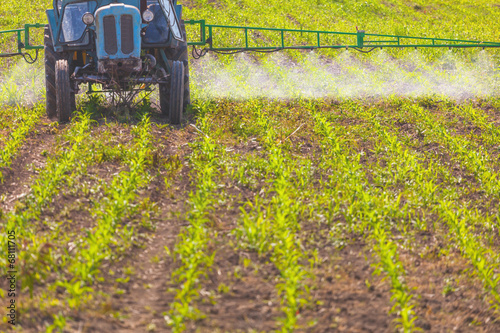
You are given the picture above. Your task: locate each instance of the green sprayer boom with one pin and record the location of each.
(276, 39)
(319, 39)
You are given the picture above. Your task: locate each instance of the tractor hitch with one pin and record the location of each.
(105, 79)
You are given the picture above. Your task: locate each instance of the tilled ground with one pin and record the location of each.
(31, 157)
(239, 291)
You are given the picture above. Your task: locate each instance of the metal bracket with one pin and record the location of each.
(23, 43)
(165, 60)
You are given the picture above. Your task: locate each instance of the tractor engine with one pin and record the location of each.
(118, 39)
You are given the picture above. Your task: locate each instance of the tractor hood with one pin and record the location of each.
(118, 31)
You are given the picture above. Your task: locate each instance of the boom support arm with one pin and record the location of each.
(23, 42)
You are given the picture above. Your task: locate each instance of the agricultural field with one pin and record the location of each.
(325, 191)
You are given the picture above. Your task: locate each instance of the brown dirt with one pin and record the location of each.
(445, 286)
(141, 301)
(32, 154)
(239, 292)
(348, 296)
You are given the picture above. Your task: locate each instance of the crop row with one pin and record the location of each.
(272, 224)
(444, 199)
(191, 250)
(47, 250)
(110, 236)
(395, 190)
(44, 188)
(460, 218)
(472, 156)
(23, 126)
(372, 209)
(391, 190)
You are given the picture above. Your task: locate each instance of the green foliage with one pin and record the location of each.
(24, 124)
(271, 225)
(372, 210)
(364, 176)
(110, 237)
(457, 19)
(58, 325)
(191, 249)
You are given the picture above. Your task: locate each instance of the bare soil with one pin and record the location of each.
(239, 293)
(31, 156)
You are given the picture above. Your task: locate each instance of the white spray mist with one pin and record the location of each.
(22, 84)
(346, 76)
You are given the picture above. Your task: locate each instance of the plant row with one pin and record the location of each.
(25, 125)
(444, 198)
(191, 253)
(270, 224)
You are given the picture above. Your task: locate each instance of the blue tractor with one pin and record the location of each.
(121, 45)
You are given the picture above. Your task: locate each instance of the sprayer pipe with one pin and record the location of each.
(11, 31)
(270, 48)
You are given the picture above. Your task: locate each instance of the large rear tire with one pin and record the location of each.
(51, 58)
(176, 100)
(181, 53)
(65, 97)
(164, 92)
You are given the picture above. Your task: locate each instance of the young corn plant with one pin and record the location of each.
(191, 250)
(110, 236)
(25, 125)
(369, 210)
(58, 170)
(490, 132)
(468, 153)
(272, 224)
(485, 262)
(458, 219)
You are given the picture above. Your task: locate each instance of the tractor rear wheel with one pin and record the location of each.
(51, 58)
(65, 98)
(180, 53)
(173, 106)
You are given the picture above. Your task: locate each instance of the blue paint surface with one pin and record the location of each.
(117, 10)
(65, 30)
